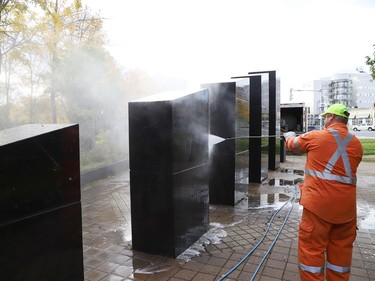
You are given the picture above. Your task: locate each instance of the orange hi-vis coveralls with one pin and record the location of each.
(328, 226)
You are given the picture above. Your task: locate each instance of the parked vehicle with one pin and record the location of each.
(293, 117)
(363, 127)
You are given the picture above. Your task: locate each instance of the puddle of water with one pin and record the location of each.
(121, 234)
(292, 171)
(369, 221)
(272, 193)
(153, 269)
(266, 200)
(283, 182)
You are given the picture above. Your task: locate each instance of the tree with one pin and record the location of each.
(32, 64)
(66, 24)
(371, 62)
(57, 69)
(14, 32)
(92, 94)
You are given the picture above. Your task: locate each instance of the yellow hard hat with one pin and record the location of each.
(337, 109)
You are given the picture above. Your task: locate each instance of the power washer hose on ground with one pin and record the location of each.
(291, 200)
(278, 233)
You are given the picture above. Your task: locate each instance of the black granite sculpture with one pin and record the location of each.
(239, 115)
(271, 86)
(229, 157)
(168, 146)
(259, 128)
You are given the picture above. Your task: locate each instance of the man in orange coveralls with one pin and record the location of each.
(328, 226)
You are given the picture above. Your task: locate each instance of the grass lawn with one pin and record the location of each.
(368, 150)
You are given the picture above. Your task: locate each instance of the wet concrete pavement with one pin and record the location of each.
(233, 234)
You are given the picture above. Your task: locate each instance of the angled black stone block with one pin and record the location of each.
(168, 146)
(40, 209)
(168, 132)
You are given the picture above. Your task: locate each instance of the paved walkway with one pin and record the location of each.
(233, 233)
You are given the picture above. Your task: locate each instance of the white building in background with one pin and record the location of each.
(363, 91)
(355, 90)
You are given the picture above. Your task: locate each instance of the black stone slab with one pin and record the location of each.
(222, 174)
(168, 212)
(259, 118)
(222, 119)
(39, 169)
(271, 86)
(274, 117)
(40, 209)
(46, 246)
(229, 119)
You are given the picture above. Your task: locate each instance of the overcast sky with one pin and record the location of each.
(205, 40)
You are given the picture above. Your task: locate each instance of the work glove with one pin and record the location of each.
(288, 135)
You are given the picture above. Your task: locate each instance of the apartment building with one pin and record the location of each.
(355, 90)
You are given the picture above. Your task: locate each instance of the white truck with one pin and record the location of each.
(363, 127)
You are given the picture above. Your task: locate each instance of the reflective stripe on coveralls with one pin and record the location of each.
(312, 269)
(340, 269)
(296, 146)
(340, 152)
(320, 269)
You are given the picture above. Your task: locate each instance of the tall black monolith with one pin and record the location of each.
(271, 89)
(229, 157)
(168, 145)
(259, 129)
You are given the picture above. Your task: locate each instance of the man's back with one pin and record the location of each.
(329, 187)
